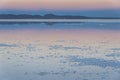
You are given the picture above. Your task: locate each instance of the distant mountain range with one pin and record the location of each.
(49, 16)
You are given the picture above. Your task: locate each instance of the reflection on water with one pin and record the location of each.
(60, 51)
(65, 25)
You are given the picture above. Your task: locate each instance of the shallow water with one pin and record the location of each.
(60, 20)
(60, 51)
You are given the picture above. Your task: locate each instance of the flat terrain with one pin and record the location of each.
(59, 20)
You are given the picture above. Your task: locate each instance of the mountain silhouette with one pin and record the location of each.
(49, 16)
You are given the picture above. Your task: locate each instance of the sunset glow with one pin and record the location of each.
(60, 4)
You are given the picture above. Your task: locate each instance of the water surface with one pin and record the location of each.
(60, 51)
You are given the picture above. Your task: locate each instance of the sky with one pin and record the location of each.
(62, 7)
(59, 4)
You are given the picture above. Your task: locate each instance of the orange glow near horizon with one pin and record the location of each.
(59, 4)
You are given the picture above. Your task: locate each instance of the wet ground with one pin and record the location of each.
(60, 51)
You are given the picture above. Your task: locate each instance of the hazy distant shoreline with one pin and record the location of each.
(59, 20)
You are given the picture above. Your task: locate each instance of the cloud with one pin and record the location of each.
(95, 62)
(66, 47)
(7, 45)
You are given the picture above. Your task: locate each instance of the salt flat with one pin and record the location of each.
(82, 51)
(59, 20)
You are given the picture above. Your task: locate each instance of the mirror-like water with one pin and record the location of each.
(60, 51)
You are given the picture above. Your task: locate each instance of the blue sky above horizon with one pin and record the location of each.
(100, 8)
(91, 13)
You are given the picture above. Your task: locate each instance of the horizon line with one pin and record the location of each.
(60, 20)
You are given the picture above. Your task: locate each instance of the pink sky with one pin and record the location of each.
(52, 35)
(59, 4)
